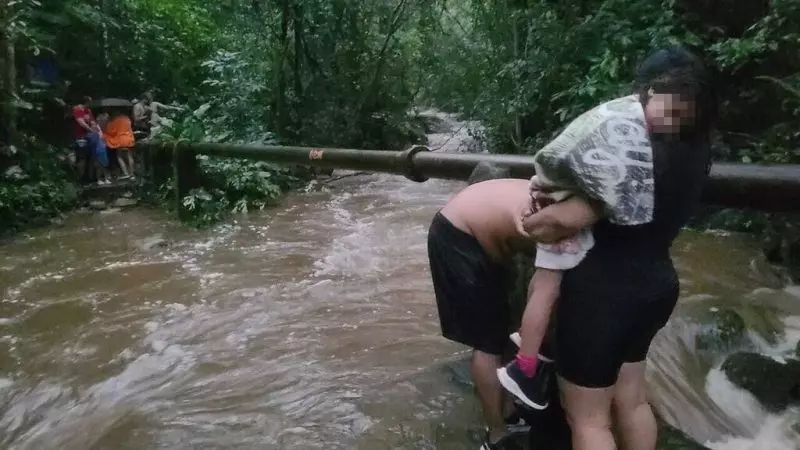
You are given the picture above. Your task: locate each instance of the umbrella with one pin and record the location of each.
(111, 102)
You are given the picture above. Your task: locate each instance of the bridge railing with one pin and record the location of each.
(760, 187)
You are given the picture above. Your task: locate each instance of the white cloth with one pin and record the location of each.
(566, 253)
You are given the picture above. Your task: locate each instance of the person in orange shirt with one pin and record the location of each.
(118, 135)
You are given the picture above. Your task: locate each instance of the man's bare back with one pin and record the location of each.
(488, 211)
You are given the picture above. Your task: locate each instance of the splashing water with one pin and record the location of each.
(311, 325)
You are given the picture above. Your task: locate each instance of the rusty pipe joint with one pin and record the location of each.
(407, 163)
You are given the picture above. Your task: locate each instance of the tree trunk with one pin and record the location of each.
(298, 50)
(369, 92)
(280, 75)
(515, 29)
(8, 77)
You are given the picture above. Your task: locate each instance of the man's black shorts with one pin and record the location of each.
(470, 289)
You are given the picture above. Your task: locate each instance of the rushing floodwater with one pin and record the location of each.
(311, 325)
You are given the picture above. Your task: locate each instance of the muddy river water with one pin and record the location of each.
(310, 325)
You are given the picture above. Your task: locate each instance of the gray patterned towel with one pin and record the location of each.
(605, 154)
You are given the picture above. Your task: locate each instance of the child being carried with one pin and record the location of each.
(602, 158)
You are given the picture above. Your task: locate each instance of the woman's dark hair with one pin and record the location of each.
(666, 59)
(676, 70)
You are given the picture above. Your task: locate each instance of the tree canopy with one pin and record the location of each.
(350, 72)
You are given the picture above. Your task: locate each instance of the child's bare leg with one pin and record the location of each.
(521, 377)
(543, 292)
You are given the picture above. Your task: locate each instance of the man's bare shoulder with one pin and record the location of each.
(504, 185)
(489, 203)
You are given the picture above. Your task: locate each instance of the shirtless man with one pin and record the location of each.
(471, 242)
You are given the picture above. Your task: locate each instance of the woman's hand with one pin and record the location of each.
(557, 221)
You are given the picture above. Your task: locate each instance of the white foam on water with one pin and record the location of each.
(764, 431)
(740, 406)
(775, 434)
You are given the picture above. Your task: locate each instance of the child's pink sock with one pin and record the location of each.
(527, 364)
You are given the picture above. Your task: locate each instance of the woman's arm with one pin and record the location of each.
(559, 220)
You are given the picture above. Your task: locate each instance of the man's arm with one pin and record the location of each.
(157, 105)
(559, 220)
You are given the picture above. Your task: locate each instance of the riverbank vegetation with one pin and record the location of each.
(348, 73)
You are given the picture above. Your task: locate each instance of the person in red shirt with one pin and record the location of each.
(89, 137)
(85, 122)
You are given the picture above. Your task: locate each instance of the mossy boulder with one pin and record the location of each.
(671, 438)
(725, 329)
(722, 329)
(782, 242)
(763, 321)
(774, 384)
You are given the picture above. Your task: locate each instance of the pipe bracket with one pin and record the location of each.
(407, 158)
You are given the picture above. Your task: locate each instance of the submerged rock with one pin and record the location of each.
(774, 384)
(671, 438)
(549, 428)
(763, 321)
(150, 243)
(722, 329)
(459, 373)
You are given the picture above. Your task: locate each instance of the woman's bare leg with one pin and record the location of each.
(589, 415)
(632, 411)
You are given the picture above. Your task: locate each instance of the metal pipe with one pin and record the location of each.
(766, 188)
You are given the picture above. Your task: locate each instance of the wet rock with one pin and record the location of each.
(459, 373)
(150, 243)
(763, 321)
(782, 242)
(111, 211)
(671, 438)
(485, 171)
(125, 202)
(549, 427)
(98, 205)
(721, 330)
(774, 384)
